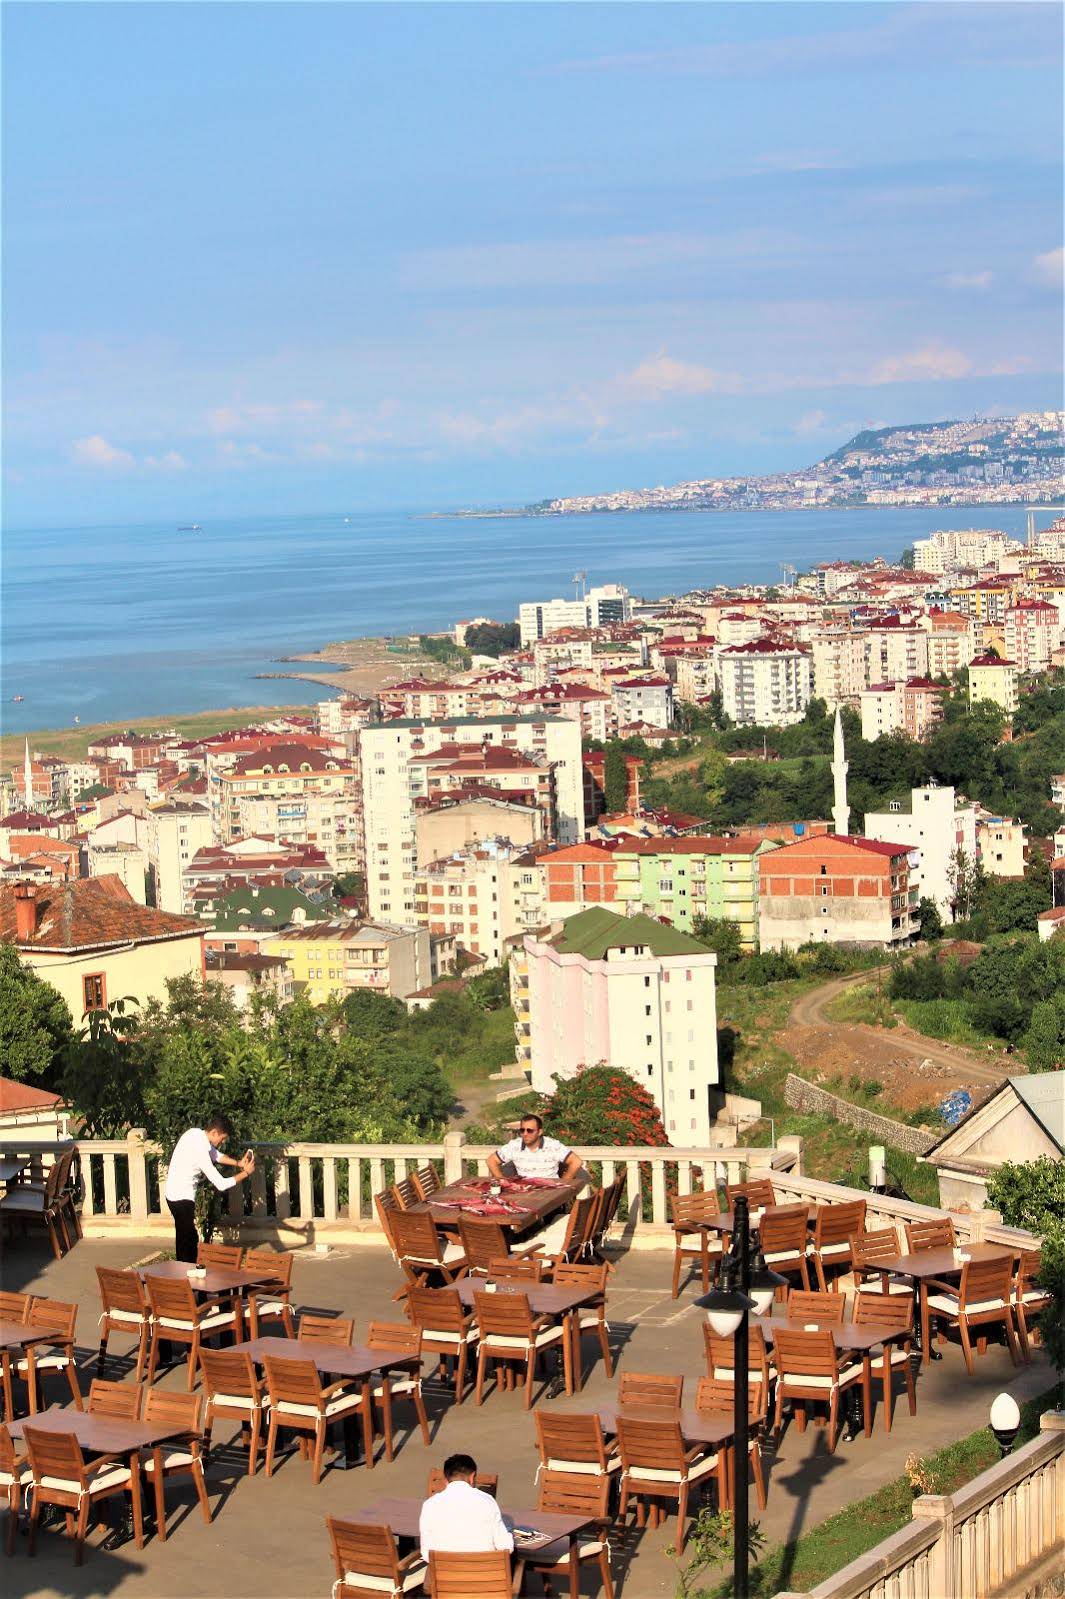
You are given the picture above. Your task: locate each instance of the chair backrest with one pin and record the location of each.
(13, 1306)
(115, 1399)
(276, 1261)
(405, 1194)
(54, 1454)
(579, 1223)
(395, 1335)
(53, 1185)
(937, 1234)
(565, 1437)
(503, 1315)
(580, 1274)
(759, 1192)
(8, 1458)
(426, 1181)
(717, 1396)
(803, 1307)
(721, 1354)
(609, 1205)
(890, 1310)
(53, 1313)
(801, 1354)
(483, 1241)
(386, 1208)
(653, 1445)
(691, 1209)
(227, 1374)
(986, 1279)
(436, 1310)
(480, 1576)
(836, 1223)
(569, 1493)
(339, 1330)
(172, 1409)
(226, 1256)
(416, 1235)
(121, 1290)
(1028, 1268)
(486, 1481)
(364, 1550)
(783, 1230)
(868, 1249)
(292, 1382)
(521, 1268)
(173, 1298)
(648, 1388)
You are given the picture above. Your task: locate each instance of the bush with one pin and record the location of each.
(603, 1105)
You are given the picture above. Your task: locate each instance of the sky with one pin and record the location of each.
(283, 257)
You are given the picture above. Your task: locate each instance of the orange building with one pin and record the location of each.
(580, 875)
(837, 890)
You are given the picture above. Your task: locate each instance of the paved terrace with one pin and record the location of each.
(268, 1538)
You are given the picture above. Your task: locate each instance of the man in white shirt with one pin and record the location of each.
(196, 1158)
(462, 1519)
(533, 1155)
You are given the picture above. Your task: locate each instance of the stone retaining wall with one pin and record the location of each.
(812, 1101)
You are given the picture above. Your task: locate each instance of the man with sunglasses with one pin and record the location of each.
(531, 1154)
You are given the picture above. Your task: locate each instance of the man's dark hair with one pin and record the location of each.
(220, 1124)
(531, 1116)
(459, 1466)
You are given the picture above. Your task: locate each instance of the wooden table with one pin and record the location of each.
(725, 1220)
(12, 1166)
(851, 1339)
(108, 1435)
(544, 1300)
(402, 1516)
(16, 1335)
(531, 1209)
(696, 1426)
(927, 1263)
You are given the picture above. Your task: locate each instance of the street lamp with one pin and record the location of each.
(743, 1285)
(1005, 1422)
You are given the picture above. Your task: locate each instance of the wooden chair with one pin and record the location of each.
(400, 1384)
(64, 1317)
(937, 1234)
(121, 1399)
(486, 1481)
(517, 1268)
(983, 1297)
(1030, 1298)
(179, 1317)
(24, 1203)
(827, 1308)
(717, 1397)
(234, 1393)
(720, 1355)
(833, 1231)
(426, 1182)
(509, 1332)
(808, 1372)
(655, 1465)
(422, 1255)
(15, 1478)
(297, 1400)
(338, 1330)
(567, 1237)
(692, 1243)
(367, 1563)
(386, 1209)
(647, 1388)
(484, 1242)
(894, 1356)
(868, 1251)
(62, 1476)
(13, 1306)
(405, 1193)
(758, 1190)
(273, 1301)
(227, 1257)
(448, 1330)
(480, 1576)
(782, 1234)
(183, 1458)
(564, 1494)
(609, 1205)
(590, 1317)
(573, 1445)
(125, 1310)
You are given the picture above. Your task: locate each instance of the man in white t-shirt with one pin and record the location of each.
(533, 1155)
(196, 1158)
(461, 1518)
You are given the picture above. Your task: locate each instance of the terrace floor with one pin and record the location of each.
(268, 1538)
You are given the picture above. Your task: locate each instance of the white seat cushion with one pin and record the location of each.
(726, 1374)
(1036, 1296)
(593, 1318)
(832, 1249)
(581, 1468)
(658, 1474)
(47, 1363)
(847, 1374)
(784, 1254)
(211, 1323)
(270, 1307)
(342, 1402)
(402, 1385)
(490, 1341)
(135, 1317)
(443, 1337)
(113, 1477)
(238, 1401)
(411, 1580)
(22, 1474)
(899, 1357)
(171, 1457)
(557, 1553)
(892, 1287)
(953, 1306)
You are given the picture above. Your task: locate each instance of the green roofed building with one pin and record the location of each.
(240, 919)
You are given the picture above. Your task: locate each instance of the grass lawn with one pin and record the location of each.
(862, 1003)
(943, 1018)
(69, 743)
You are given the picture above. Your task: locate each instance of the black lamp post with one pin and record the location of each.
(743, 1285)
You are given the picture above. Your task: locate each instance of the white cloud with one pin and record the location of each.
(95, 451)
(932, 362)
(661, 374)
(1049, 268)
(970, 280)
(172, 461)
(811, 422)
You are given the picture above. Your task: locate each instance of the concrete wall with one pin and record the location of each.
(805, 1097)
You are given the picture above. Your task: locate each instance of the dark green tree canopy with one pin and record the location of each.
(35, 1024)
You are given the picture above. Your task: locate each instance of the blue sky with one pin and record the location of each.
(283, 257)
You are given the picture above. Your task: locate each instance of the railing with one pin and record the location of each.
(1005, 1525)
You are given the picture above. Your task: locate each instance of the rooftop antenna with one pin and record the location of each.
(579, 584)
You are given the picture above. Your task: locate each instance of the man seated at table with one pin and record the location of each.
(532, 1154)
(462, 1519)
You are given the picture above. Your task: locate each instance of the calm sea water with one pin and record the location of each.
(110, 622)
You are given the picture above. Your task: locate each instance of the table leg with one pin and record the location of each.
(574, 1569)
(575, 1351)
(9, 1403)
(160, 1499)
(926, 1348)
(135, 1495)
(367, 1424)
(31, 1381)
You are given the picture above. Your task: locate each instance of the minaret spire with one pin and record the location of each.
(841, 811)
(27, 777)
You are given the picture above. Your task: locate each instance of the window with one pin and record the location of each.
(691, 1093)
(824, 892)
(94, 992)
(647, 1010)
(649, 1038)
(647, 982)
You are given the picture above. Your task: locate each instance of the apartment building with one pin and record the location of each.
(837, 657)
(936, 826)
(894, 651)
(176, 830)
(643, 699)
(992, 678)
(830, 889)
(696, 674)
(396, 774)
(289, 771)
(764, 683)
(1032, 633)
(334, 718)
(216, 868)
(950, 550)
(1001, 845)
(579, 876)
(484, 897)
(455, 821)
(565, 651)
(592, 709)
(241, 920)
(331, 822)
(986, 600)
(914, 707)
(330, 960)
(681, 879)
(607, 604)
(635, 994)
(951, 641)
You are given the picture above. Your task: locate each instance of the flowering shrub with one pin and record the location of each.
(603, 1105)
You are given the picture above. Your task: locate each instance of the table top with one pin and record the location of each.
(218, 1279)
(403, 1515)
(725, 1220)
(544, 1298)
(333, 1360)
(104, 1435)
(941, 1262)
(696, 1426)
(530, 1208)
(16, 1335)
(849, 1335)
(11, 1165)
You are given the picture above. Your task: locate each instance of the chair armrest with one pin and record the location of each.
(336, 1387)
(694, 1453)
(947, 1288)
(413, 1559)
(93, 1466)
(531, 1249)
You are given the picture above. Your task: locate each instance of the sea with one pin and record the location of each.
(105, 623)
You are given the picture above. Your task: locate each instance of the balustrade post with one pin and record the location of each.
(942, 1577)
(793, 1141)
(453, 1146)
(138, 1173)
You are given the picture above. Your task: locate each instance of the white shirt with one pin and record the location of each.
(193, 1159)
(546, 1161)
(462, 1519)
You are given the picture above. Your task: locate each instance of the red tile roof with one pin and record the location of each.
(90, 913)
(20, 1096)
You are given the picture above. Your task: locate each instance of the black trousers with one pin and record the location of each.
(186, 1238)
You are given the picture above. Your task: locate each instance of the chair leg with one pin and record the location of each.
(386, 1416)
(423, 1419)
(271, 1443)
(319, 1450)
(820, 1270)
(201, 1489)
(460, 1373)
(682, 1517)
(1022, 1334)
(911, 1391)
(194, 1359)
(833, 1420)
(153, 1357)
(101, 1358)
(367, 1426)
(886, 1373)
(804, 1273)
(160, 1499)
(530, 1367)
(80, 1530)
(253, 1441)
(72, 1379)
(142, 1353)
(286, 1317)
(604, 1571)
(604, 1344)
(759, 1476)
(867, 1398)
(676, 1273)
(35, 1511)
(1011, 1339)
(967, 1348)
(479, 1390)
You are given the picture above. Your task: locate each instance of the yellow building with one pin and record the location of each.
(95, 944)
(991, 678)
(330, 960)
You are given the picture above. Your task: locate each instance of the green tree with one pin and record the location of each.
(929, 921)
(1044, 1042)
(493, 638)
(35, 1024)
(719, 935)
(615, 780)
(1031, 1194)
(372, 1016)
(103, 1076)
(490, 989)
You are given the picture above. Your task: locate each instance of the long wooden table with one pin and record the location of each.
(544, 1300)
(937, 1263)
(528, 1209)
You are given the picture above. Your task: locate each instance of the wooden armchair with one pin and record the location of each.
(592, 1316)
(64, 1317)
(227, 1257)
(869, 1250)
(183, 1458)
(367, 1563)
(808, 1372)
(422, 1254)
(273, 1301)
(829, 1309)
(895, 1356)
(655, 1465)
(62, 1476)
(510, 1333)
(448, 1330)
(721, 1354)
(717, 1398)
(480, 1576)
(563, 1493)
(426, 1182)
(833, 1230)
(937, 1234)
(125, 1310)
(573, 1445)
(693, 1244)
(484, 1243)
(15, 1479)
(339, 1330)
(400, 1384)
(648, 1388)
(298, 1401)
(234, 1393)
(119, 1399)
(758, 1190)
(178, 1316)
(1030, 1298)
(984, 1297)
(783, 1237)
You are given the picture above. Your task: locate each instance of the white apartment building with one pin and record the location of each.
(991, 678)
(346, 715)
(951, 641)
(696, 676)
(127, 862)
(764, 683)
(893, 652)
(601, 606)
(914, 708)
(937, 826)
(643, 699)
(390, 787)
(949, 550)
(176, 829)
(331, 821)
(1033, 633)
(481, 896)
(838, 660)
(1002, 845)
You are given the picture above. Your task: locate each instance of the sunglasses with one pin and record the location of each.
(533, 1130)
